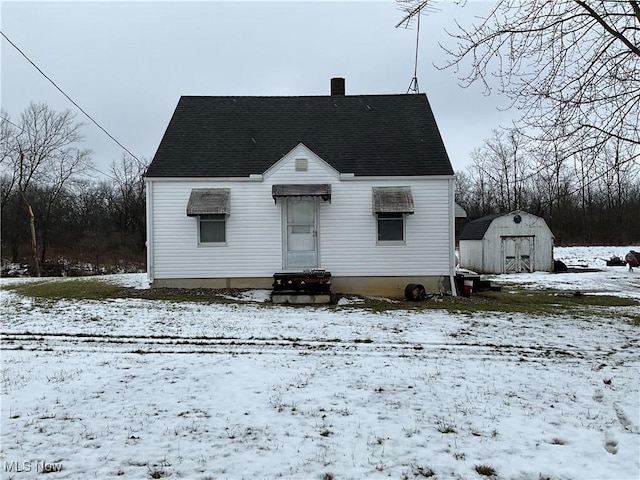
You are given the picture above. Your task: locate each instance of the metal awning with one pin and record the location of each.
(322, 190)
(208, 201)
(392, 200)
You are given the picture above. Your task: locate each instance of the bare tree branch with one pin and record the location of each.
(569, 62)
(42, 153)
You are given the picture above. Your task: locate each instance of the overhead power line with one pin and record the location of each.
(9, 121)
(68, 97)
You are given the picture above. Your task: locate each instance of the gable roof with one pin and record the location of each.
(367, 135)
(476, 229)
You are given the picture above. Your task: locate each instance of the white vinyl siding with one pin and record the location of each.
(253, 233)
(349, 231)
(346, 228)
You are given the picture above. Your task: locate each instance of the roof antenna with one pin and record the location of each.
(413, 86)
(413, 9)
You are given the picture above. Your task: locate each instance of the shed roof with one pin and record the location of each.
(476, 229)
(367, 135)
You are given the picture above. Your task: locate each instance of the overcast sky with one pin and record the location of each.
(127, 63)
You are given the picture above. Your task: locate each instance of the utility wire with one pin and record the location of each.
(68, 97)
(9, 121)
(90, 167)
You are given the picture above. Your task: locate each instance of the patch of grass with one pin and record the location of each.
(445, 426)
(555, 298)
(518, 299)
(70, 290)
(198, 295)
(418, 471)
(485, 470)
(515, 300)
(535, 302)
(558, 441)
(634, 320)
(362, 340)
(92, 289)
(156, 473)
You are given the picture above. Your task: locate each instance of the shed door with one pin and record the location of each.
(517, 254)
(300, 238)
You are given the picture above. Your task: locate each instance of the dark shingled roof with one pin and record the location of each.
(476, 229)
(360, 134)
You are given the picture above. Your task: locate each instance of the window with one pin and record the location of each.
(212, 228)
(390, 227)
(211, 207)
(391, 205)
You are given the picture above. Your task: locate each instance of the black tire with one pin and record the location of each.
(559, 266)
(414, 292)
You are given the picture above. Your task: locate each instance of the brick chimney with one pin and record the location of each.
(337, 87)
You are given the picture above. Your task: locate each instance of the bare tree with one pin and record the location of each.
(128, 197)
(62, 168)
(464, 192)
(501, 165)
(41, 151)
(565, 62)
(94, 219)
(8, 131)
(482, 185)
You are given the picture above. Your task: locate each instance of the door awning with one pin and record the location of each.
(392, 200)
(322, 190)
(208, 201)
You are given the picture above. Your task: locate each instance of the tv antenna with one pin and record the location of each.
(413, 10)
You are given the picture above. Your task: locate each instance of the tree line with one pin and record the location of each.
(587, 198)
(53, 211)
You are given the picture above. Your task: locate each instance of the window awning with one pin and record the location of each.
(392, 200)
(208, 201)
(322, 190)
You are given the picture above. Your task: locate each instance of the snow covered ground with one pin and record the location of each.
(610, 280)
(134, 388)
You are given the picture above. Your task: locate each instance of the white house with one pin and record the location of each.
(242, 188)
(513, 242)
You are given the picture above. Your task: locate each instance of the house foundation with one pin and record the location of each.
(388, 287)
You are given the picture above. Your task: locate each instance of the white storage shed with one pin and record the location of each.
(513, 242)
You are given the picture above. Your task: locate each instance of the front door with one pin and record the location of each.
(301, 235)
(517, 253)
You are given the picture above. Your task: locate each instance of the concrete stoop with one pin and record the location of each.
(296, 298)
